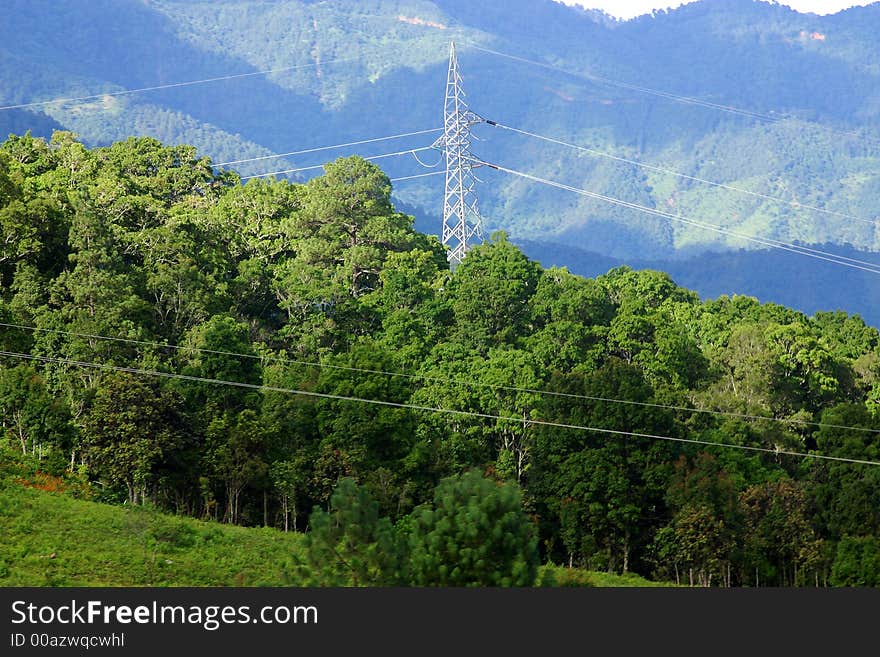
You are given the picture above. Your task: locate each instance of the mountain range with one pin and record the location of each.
(779, 109)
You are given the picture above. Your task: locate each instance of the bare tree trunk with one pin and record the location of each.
(22, 437)
(227, 516)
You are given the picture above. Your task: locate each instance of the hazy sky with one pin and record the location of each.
(631, 8)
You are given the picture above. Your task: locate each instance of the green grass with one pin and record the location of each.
(51, 539)
(625, 580)
(554, 575)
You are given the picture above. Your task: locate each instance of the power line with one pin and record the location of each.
(625, 85)
(321, 166)
(776, 244)
(419, 175)
(175, 84)
(433, 379)
(327, 148)
(428, 409)
(425, 165)
(684, 176)
(667, 95)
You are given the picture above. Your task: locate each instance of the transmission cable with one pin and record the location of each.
(328, 148)
(433, 379)
(428, 166)
(818, 254)
(592, 151)
(321, 166)
(418, 175)
(428, 409)
(175, 84)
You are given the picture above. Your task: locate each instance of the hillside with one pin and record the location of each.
(82, 543)
(50, 539)
(300, 356)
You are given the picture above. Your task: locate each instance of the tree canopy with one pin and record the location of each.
(249, 352)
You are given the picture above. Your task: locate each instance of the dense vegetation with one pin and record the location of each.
(201, 346)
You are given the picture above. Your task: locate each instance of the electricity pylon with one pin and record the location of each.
(462, 224)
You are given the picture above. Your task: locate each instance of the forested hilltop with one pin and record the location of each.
(247, 353)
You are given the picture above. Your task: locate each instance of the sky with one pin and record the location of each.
(632, 8)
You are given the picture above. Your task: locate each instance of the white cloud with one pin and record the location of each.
(823, 6)
(632, 8)
(625, 8)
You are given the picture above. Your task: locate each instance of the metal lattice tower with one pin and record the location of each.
(462, 224)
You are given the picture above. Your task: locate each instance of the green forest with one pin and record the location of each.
(296, 357)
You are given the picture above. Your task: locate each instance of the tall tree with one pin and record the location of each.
(345, 230)
(490, 294)
(606, 490)
(846, 496)
(351, 544)
(779, 541)
(30, 417)
(220, 348)
(474, 534)
(129, 431)
(235, 456)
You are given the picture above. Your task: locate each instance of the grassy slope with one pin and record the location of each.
(101, 545)
(562, 576)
